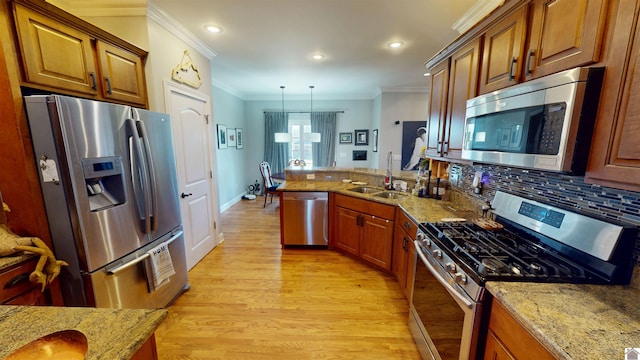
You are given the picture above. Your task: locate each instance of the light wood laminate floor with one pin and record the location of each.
(251, 300)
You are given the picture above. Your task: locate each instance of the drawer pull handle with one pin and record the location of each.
(94, 84)
(514, 62)
(24, 277)
(532, 54)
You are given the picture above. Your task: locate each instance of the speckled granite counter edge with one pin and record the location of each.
(112, 334)
(575, 321)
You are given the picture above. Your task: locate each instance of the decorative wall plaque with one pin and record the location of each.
(187, 72)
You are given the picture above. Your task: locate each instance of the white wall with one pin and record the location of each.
(232, 166)
(398, 107)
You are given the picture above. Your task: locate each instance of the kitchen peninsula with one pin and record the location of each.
(568, 321)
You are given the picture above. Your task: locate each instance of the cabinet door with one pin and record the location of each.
(348, 230)
(399, 259)
(564, 34)
(411, 269)
(502, 55)
(437, 107)
(376, 241)
(615, 152)
(463, 85)
(55, 55)
(122, 74)
(494, 350)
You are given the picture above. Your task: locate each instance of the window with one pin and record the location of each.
(300, 130)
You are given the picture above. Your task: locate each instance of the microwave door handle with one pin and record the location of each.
(151, 173)
(455, 294)
(138, 176)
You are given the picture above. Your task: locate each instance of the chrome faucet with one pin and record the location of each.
(387, 178)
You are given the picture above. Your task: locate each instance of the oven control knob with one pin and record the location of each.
(460, 278)
(420, 237)
(451, 267)
(437, 254)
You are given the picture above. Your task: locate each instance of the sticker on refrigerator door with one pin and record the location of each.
(49, 170)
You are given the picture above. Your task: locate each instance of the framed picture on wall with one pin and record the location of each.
(231, 137)
(345, 138)
(362, 137)
(375, 140)
(222, 136)
(239, 139)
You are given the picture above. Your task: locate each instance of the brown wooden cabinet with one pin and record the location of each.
(15, 287)
(615, 152)
(122, 73)
(507, 339)
(364, 229)
(402, 264)
(564, 34)
(437, 107)
(502, 56)
(64, 54)
(453, 82)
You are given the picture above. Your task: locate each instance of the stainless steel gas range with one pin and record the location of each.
(534, 242)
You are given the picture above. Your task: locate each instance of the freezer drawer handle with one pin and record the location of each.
(119, 268)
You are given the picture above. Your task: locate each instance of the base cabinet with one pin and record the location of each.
(508, 340)
(364, 229)
(402, 264)
(147, 351)
(16, 289)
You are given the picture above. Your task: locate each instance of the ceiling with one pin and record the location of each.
(268, 43)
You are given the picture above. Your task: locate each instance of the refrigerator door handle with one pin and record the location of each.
(138, 172)
(129, 264)
(151, 173)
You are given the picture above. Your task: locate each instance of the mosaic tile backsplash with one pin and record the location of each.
(563, 191)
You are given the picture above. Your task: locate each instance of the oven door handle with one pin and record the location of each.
(436, 274)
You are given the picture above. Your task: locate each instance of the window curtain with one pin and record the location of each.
(276, 154)
(324, 151)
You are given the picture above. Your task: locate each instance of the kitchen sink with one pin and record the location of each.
(63, 345)
(390, 195)
(366, 190)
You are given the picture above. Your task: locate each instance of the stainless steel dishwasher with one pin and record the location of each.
(305, 218)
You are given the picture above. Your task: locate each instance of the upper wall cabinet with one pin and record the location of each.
(64, 54)
(564, 34)
(503, 48)
(615, 151)
(453, 82)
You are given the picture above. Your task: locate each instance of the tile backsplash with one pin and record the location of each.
(560, 190)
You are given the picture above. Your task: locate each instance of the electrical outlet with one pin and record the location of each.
(311, 176)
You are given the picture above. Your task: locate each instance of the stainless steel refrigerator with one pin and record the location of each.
(108, 179)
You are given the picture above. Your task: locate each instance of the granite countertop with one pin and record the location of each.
(112, 334)
(420, 209)
(575, 321)
(6, 262)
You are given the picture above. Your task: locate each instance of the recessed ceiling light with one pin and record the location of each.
(214, 29)
(318, 56)
(395, 44)
(427, 74)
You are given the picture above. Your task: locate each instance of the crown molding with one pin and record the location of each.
(477, 12)
(157, 15)
(93, 8)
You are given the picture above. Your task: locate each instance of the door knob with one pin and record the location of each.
(184, 195)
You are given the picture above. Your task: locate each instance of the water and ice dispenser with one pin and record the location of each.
(104, 181)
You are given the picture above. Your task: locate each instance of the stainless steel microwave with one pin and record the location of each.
(544, 124)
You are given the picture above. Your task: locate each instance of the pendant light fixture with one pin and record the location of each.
(282, 137)
(315, 137)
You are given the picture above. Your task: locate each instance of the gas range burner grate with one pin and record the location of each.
(504, 254)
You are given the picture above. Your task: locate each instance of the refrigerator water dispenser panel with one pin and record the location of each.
(104, 182)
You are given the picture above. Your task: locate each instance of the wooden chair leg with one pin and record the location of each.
(265, 200)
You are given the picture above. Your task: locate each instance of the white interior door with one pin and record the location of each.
(192, 132)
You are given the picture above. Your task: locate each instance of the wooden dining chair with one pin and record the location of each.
(269, 185)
